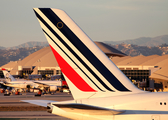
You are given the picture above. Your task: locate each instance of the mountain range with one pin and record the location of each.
(143, 41)
(23, 50)
(30, 44)
(2, 47)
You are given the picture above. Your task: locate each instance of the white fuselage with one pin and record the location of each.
(143, 106)
(49, 83)
(24, 83)
(20, 84)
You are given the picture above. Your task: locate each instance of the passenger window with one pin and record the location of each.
(160, 103)
(164, 103)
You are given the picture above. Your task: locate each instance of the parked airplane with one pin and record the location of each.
(12, 82)
(100, 90)
(21, 83)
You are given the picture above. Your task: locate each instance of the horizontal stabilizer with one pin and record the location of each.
(39, 102)
(88, 109)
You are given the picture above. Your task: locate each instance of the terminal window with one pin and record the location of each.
(46, 72)
(137, 74)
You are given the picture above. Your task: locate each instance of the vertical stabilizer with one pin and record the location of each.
(8, 76)
(87, 70)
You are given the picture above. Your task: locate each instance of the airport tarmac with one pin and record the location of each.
(9, 106)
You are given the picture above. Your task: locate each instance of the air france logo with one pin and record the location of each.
(60, 25)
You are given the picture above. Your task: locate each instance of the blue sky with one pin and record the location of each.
(101, 20)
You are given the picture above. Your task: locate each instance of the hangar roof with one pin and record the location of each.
(109, 50)
(119, 59)
(10, 65)
(130, 61)
(155, 60)
(161, 62)
(45, 58)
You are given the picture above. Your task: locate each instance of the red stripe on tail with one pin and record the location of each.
(71, 73)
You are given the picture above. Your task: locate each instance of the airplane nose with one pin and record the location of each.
(49, 108)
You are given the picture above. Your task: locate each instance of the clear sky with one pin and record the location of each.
(101, 20)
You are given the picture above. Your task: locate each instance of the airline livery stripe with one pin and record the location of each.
(75, 78)
(79, 80)
(85, 51)
(60, 39)
(41, 19)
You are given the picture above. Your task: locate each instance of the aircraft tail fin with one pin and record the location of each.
(87, 70)
(8, 76)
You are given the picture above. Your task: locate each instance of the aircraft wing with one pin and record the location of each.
(88, 109)
(78, 108)
(39, 102)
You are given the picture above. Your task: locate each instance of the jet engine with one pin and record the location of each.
(53, 88)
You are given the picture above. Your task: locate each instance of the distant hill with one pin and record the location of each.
(143, 41)
(140, 46)
(7, 55)
(135, 50)
(30, 44)
(2, 47)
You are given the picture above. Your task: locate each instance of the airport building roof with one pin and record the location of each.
(109, 51)
(44, 60)
(159, 63)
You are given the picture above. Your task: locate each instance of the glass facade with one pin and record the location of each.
(138, 75)
(46, 72)
(58, 72)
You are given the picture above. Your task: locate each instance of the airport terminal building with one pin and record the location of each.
(147, 72)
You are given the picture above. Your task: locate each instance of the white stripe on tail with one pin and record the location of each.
(87, 70)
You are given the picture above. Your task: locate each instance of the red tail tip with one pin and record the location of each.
(3, 69)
